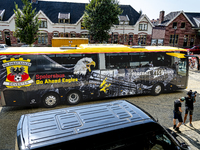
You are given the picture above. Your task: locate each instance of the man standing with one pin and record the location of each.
(177, 113)
(189, 107)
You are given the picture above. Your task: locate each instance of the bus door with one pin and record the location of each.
(181, 73)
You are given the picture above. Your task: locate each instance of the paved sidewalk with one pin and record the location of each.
(191, 134)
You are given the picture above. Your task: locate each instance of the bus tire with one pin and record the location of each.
(73, 98)
(50, 100)
(157, 89)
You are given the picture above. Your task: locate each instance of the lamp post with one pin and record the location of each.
(174, 34)
(123, 30)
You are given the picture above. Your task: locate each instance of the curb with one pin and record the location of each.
(191, 135)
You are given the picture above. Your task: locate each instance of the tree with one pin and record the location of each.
(99, 17)
(26, 24)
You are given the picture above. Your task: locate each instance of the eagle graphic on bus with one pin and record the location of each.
(17, 74)
(83, 65)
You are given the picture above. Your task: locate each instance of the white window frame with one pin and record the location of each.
(143, 27)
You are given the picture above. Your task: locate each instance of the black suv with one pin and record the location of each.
(115, 125)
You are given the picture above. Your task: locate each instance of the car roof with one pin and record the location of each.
(60, 125)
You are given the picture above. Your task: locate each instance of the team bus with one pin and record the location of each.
(51, 75)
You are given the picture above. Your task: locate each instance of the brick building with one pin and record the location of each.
(64, 19)
(179, 29)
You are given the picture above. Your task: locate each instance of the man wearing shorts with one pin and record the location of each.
(177, 113)
(189, 107)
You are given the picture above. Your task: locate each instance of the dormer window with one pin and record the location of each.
(64, 18)
(34, 1)
(124, 20)
(1, 14)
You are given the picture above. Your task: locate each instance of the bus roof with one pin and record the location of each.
(87, 49)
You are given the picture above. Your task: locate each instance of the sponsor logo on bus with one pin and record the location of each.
(53, 78)
(17, 73)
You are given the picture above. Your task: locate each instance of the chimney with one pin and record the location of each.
(161, 17)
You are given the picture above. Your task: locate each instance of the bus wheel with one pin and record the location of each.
(157, 89)
(73, 98)
(50, 100)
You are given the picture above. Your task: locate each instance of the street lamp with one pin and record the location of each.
(123, 30)
(174, 34)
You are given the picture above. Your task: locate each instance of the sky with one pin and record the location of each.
(152, 8)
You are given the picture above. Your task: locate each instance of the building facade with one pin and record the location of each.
(180, 29)
(64, 19)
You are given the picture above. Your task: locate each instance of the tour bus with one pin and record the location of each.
(51, 75)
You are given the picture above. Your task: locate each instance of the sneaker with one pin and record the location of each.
(177, 129)
(174, 126)
(191, 125)
(183, 124)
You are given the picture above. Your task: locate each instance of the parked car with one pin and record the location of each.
(194, 50)
(26, 45)
(3, 46)
(117, 125)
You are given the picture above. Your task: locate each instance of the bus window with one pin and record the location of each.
(46, 64)
(33, 58)
(70, 60)
(182, 67)
(95, 59)
(162, 59)
(117, 61)
(141, 60)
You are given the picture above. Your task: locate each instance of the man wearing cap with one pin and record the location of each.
(189, 107)
(177, 113)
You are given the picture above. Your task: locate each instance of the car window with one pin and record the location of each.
(161, 141)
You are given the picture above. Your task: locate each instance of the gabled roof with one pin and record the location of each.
(189, 15)
(51, 9)
(145, 16)
(192, 17)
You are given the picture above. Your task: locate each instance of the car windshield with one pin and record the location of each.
(193, 47)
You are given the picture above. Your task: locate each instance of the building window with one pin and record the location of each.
(130, 41)
(55, 34)
(1, 36)
(174, 25)
(73, 35)
(43, 24)
(115, 38)
(82, 27)
(42, 38)
(142, 27)
(64, 17)
(185, 42)
(142, 39)
(192, 39)
(84, 35)
(183, 25)
(172, 40)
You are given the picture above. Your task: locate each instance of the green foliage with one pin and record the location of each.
(27, 25)
(99, 17)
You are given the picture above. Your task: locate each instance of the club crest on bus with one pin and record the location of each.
(17, 73)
